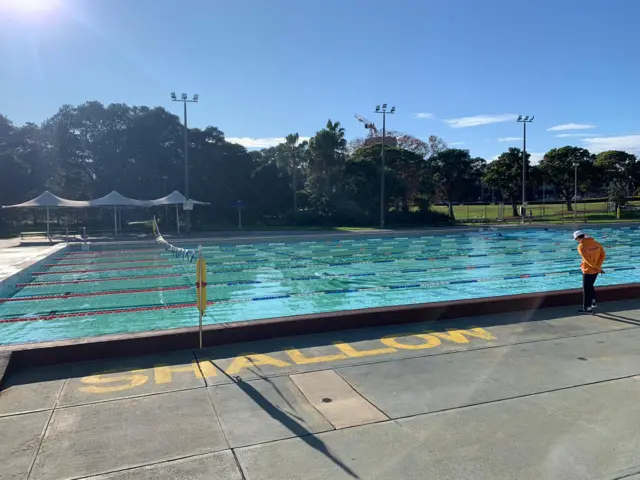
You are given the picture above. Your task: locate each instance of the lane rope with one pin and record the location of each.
(87, 313)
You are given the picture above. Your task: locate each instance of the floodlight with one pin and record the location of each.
(184, 96)
(384, 106)
(195, 97)
(173, 95)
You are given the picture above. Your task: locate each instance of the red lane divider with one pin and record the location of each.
(57, 316)
(107, 253)
(66, 272)
(102, 263)
(114, 279)
(94, 294)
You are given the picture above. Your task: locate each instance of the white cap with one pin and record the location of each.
(577, 233)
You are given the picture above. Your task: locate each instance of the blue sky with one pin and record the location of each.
(264, 69)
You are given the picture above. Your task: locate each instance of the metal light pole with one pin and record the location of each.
(384, 112)
(575, 191)
(184, 100)
(166, 207)
(524, 120)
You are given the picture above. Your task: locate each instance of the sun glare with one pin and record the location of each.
(30, 5)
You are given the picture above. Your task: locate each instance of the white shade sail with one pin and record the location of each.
(116, 199)
(174, 198)
(48, 199)
(113, 199)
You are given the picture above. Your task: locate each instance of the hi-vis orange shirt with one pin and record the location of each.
(592, 254)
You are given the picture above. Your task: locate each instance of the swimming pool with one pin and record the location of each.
(134, 289)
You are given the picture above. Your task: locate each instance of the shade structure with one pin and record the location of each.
(113, 199)
(116, 199)
(174, 198)
(47, 199)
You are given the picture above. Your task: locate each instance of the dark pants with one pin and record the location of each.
(588, 292)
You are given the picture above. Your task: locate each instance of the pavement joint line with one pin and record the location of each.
(518, 397)
(161, 462)
(295, 385)
(342, 365)
(46, 429)
(237, 460)
(395, 420)
(213, 406)
(319, 369)
(636, 471)
(328, 367)
(17, 414)
(423, 355)
(363, 397)
(140, 395)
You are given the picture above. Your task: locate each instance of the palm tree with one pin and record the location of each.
(329, 147)
(291, 142)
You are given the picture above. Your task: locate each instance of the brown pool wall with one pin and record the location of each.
(127, 345)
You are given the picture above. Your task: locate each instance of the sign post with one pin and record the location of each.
(239, 205)
(201, 288)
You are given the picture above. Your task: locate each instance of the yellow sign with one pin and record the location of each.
(201, 285)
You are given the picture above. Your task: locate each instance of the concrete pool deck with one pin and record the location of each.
(15, 256)
(528, 395)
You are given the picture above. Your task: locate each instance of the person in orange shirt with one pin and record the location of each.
(593, 257)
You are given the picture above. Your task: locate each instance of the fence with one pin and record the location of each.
(556, 212)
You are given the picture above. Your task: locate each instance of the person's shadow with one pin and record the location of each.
(297, 428)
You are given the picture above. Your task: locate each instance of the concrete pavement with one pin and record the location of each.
(544, 395)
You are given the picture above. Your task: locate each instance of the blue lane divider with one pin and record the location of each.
(422, 283)
(425, 284)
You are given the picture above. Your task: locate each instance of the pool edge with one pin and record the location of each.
(162, 341)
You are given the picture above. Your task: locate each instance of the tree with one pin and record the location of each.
(452, 171)
(505, 174)
(619, 168)
(406, 177)
(87, 150)
(292, 142)
(328, 151)
(416, 145)
(558, 169)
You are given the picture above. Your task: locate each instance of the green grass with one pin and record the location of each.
(595, 212)
(547, 212)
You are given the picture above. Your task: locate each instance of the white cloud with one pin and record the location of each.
(423, 115)
(535, 158)
(249, 142)
(478, 120)
(510, 139)
(571, 126)
(565, 135)
(453, 144)
(627, 143)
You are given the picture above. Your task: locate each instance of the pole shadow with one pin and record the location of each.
(295, 427)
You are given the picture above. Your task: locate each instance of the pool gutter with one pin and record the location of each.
(160, 341)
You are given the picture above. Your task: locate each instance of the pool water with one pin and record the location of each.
(113, 291)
